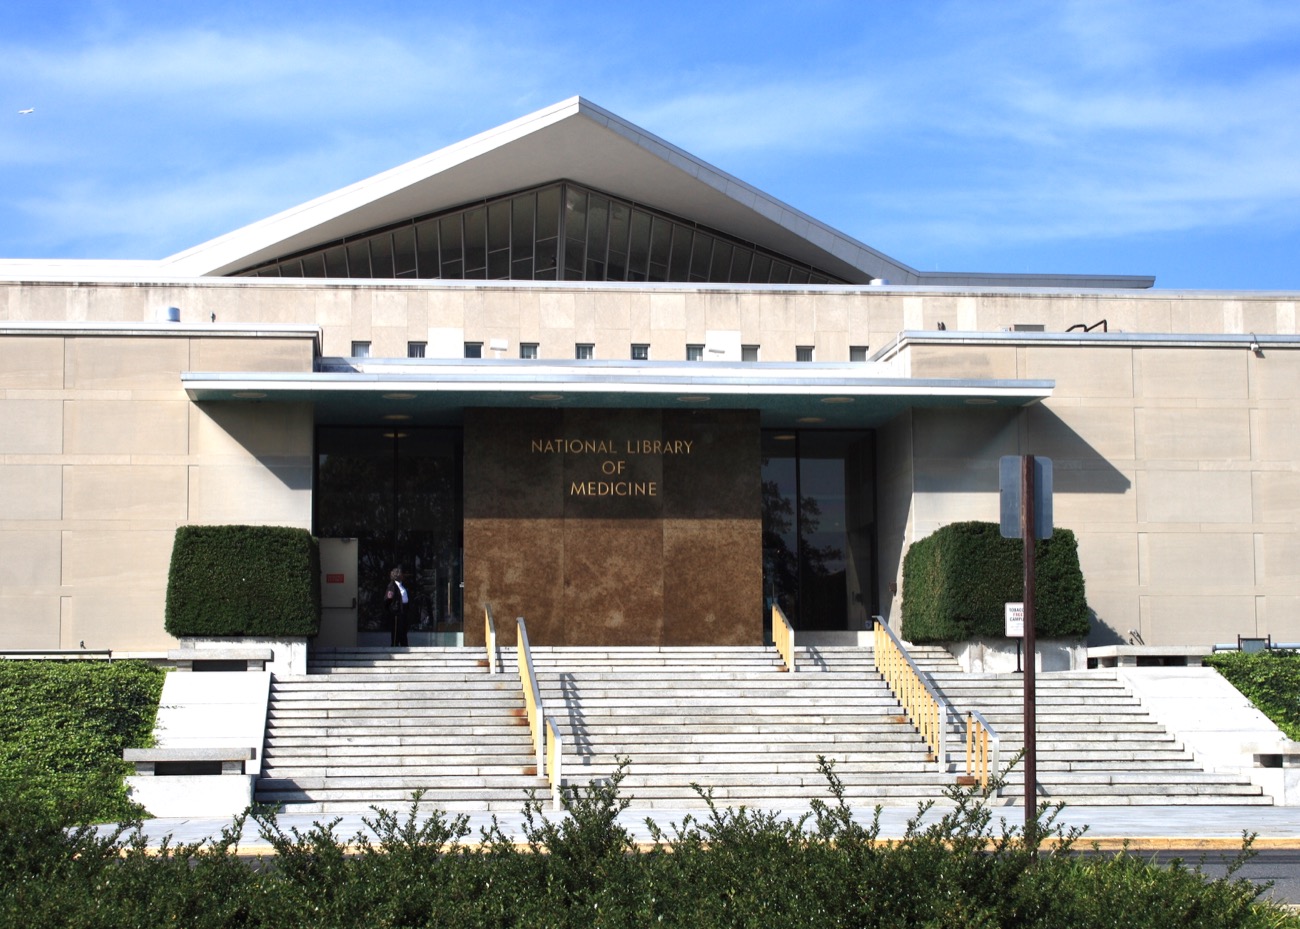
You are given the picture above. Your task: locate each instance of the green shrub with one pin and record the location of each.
(63, 726)
(243, 581)
(728, 868)
(1270, 680)
(957, 581)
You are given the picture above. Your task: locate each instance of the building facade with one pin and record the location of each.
(567, 370)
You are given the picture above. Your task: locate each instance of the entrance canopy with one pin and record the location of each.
(436, 392)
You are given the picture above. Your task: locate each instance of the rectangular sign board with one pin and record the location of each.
(1009, 498)
(1015, 620)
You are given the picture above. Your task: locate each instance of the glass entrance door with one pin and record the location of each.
(398, 493)
(819, 527)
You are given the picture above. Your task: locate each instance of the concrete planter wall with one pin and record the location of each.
(999, 655)
(290, 654)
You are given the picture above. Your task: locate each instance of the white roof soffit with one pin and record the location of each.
(579, 141)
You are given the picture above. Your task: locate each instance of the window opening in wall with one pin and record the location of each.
(640, 352)
(857, 353)
(398, 493)
(360, 349)
(749, 353)
(695, 353)
(819, 527)
(803, 353)
(559, 229)
(416, 349)
(527, 349)
(473, 349)
(584, 351)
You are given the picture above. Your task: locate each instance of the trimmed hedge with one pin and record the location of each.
(63, 726)
(956, 582)
(243, 581)
(1270, 680)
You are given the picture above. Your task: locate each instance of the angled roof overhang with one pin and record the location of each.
(345, 391)
(579, 141)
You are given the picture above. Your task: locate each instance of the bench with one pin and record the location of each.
(182, 761)
(220, 659)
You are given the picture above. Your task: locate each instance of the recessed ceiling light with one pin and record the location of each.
(394, 435)
(397, 417)
(980, 401)
(784, 437)
(546, 397)
(837, 399)
(693, 398)
(811, 419)
(399, 396)
(249, 394)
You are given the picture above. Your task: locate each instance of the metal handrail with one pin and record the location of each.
(929, 710)
(490, 640)
(783, 637)
(532, 696)
(554, 760)
(983, 750)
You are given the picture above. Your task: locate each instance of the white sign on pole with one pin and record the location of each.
(1015, 620)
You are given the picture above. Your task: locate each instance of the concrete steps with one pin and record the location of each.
(370, 726)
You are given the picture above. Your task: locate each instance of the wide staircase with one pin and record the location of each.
(734, 723)
(370, 726)
(1096, 744)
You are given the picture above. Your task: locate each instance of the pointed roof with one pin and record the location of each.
(579, 141)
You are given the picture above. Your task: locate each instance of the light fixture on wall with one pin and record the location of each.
(1255, 346)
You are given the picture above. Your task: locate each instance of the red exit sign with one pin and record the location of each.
(333, 578)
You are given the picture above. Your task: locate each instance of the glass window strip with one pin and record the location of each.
(526, 235)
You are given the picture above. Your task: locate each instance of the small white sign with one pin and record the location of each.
(1015, 619)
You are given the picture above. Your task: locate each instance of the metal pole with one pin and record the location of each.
(1031, 735)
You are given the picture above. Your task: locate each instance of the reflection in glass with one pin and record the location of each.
(518, 237)
(818, 493)
(398, 494)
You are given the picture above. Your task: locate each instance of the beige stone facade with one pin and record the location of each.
(1174, 442)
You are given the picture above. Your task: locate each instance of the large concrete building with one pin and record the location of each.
(568, 369)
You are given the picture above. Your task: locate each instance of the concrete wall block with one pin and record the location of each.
(108, 363)
(253, 494)
(126, 427)
(31, 427)
(30, 491)
(31, 363)
(1167, 496)
(118, 493)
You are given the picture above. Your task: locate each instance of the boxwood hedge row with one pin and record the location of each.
(956, 582)
(243, 581)
(1270, 680)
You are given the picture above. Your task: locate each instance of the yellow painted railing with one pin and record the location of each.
(928, 711)
(490, 640)
(983, 747)
(540, 727)
(783, 637)
(554, 761)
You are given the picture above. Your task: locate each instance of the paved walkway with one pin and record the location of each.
(1144, 828)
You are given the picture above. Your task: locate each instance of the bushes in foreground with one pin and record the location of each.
(725, 868)
(63, 725)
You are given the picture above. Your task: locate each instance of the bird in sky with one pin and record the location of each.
(27, 112)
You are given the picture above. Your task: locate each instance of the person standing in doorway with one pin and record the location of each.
(398, 598)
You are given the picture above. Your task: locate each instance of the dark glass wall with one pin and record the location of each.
(398, 493)
(558, 231)
(819, 527)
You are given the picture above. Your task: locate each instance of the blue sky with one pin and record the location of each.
(1108, 136)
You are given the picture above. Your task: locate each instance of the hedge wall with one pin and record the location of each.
(63, 725)
(243, 581)
(956, 582)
